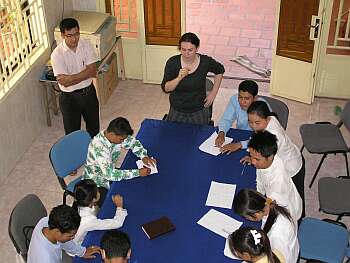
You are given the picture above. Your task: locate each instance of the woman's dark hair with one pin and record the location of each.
(248, 202)
(259, 108)
(84, 191)
(191, 38)
(252, 241)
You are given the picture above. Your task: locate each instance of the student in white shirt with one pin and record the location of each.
(55, 233)
(253, 245)
(86, 197)
(116, 247)
(276, 221)
(272, 179)
(260, 118)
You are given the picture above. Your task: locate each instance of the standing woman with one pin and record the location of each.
(185, 78)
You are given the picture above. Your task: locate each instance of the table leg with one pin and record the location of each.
(121, 57)
(46, 105)
(54, 99)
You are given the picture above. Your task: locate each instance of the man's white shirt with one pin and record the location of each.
(66, 61)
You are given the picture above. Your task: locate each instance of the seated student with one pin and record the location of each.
(236, 111)
(86, 197)
(104, 151)
(272, 178)
(55, 233)
(277, 222)
(260, 118)
(253, 245)
(116, 247)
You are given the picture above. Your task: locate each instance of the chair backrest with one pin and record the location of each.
(24, 217)
(345, 115)
(69, 153)
(280, 108)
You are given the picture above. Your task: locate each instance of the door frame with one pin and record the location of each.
(315, 58)
(142, 37)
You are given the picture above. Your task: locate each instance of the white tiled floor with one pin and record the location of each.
(136, 101)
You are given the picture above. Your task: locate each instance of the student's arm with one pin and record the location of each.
(73, 248)
(136, 147)
(244, 144)
(229, 116)
(113, 223)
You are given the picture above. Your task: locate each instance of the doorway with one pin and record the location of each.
(231, 28)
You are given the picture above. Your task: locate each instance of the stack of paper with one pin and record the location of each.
(208, 145)
(140, 164)
(221, 195)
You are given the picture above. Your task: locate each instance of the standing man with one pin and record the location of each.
(74, 65)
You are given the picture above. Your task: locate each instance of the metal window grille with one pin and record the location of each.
(126, 13)
(342, 26)
(23, 38)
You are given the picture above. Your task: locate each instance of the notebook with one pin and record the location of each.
(158, 227)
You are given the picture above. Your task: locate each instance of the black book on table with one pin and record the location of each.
(158, 227)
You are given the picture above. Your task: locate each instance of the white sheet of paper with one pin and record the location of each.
(219, 223)
(221, 195)
(140, 164)
(208, 146)
(227, 251)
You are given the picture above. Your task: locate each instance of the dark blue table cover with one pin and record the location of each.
(179, 191)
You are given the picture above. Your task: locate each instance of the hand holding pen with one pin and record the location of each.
(245, 161)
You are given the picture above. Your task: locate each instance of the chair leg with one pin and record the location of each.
(317, 170)
(347, 165)
(65, 193)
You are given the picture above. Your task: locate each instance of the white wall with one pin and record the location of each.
(22, 115)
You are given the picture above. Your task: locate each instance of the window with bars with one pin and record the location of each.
(339, 28)
(23, 37)
(126, 13)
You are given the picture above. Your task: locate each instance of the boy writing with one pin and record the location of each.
(236, 111)
(104, 151)
(116, 247)
(55, 233)
(272, 178)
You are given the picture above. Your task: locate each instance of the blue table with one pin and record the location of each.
(178, 191)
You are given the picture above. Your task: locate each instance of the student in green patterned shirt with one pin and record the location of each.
(104, 151)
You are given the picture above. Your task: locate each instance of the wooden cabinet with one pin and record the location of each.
(107, 81)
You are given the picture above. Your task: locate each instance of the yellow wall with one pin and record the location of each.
(132, 58)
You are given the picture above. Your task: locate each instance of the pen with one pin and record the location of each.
(244, 166)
